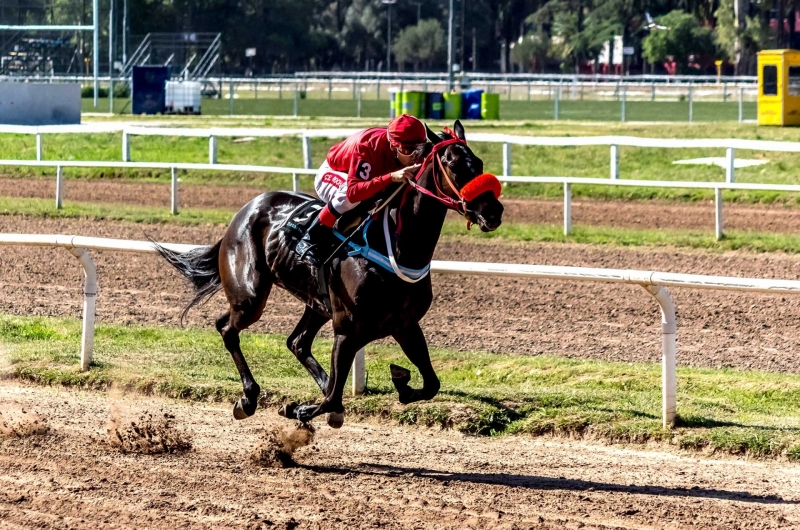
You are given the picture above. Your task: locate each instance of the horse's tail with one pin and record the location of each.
(200, 266)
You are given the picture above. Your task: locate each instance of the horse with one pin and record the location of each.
(364, 301)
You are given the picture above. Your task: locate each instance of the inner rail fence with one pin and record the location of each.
(655, 283)
(507, 141)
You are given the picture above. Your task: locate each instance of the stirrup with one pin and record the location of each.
(305, 252)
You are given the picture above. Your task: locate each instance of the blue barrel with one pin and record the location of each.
(435, 106)
(471, 104)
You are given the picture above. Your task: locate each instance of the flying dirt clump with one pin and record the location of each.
(278, 445)
(18, 424)
(149, 434)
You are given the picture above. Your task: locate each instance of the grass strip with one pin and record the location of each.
(508, 232)
(584, 161)
(728, 411)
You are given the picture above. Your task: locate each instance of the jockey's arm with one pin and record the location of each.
(361, 185)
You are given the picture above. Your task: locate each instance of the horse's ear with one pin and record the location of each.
(459, 130)
(432, 135)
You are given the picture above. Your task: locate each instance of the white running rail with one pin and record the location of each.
(566, 182)
(653, 282)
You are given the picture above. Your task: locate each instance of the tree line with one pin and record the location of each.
(680, 36)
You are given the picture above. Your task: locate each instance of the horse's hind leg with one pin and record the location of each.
(300, 341)
(243, 314)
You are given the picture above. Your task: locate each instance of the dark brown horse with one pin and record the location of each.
(367, 302)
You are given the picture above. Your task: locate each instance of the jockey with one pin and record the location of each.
(361, 166)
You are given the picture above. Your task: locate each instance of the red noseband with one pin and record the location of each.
(480, 185)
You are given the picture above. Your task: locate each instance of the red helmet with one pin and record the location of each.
(406, 131)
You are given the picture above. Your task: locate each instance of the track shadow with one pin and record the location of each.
(549, 483)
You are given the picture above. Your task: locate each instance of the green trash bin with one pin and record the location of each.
(413, 103)
(452, 106)
(490, 106)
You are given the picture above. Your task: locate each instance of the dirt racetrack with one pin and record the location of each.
(363, 476)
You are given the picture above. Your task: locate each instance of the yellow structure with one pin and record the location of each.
(779, 87)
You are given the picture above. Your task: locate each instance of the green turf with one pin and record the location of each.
(730, 411)
(635, 163)
(587, 110)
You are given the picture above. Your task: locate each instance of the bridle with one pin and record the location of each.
(458, 204)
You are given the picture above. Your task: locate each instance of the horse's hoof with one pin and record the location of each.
(238, 411)
(288, 411)
(336, 420)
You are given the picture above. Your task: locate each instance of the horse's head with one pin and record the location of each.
(458, 173)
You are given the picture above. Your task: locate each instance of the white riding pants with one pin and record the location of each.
(331, 186)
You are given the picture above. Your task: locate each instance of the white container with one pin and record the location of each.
(183, 97)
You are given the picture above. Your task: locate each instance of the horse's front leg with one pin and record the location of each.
(345, 348)
(414, 345)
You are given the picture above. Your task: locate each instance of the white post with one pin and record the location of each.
(653, 91)
(59, 187)
(230, 92)
(624, 98)
(294, 105)
(506, 159)
(39, 146)
(126, 147)
(359, 373)
(691, 102)
(718, 213)
(741, 97)
(730, 157)
(306, 152)
(295, 182)
(330, 88)
(174, 190)
(555, 105)
(669, 384)
(614, 162)
(89, 296)
(96, 49)
(358, 103)
(212, 149)
(567, 208)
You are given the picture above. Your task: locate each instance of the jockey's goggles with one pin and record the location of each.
(409, 150)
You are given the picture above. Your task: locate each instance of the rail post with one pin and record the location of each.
(718, 230)
(652, 91)
(555, 104)
(126, 146)
(39, 146)
(306, 152)
(295, 182)
(378, 90)
(741, 98)
(89, 298)
(691, 102)
(173, 173)
(509, 91)
(359, 373)
(614, 174)
(358, 103)
(730, 158)
(567, 208)
(59, 187)
(255, 89)
(724, 91)
(330, 88)
(669, 384)
(296, 95)
(506, 159)
(529, 89)
(624, 98)
(212, 149)
(280, 88)
(230, 95)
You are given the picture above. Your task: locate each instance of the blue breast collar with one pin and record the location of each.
(404, 273)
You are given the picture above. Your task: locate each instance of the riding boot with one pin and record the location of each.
(306, 247)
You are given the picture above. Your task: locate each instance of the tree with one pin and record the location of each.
(530, 52)
(420, 44)
(684, 37)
